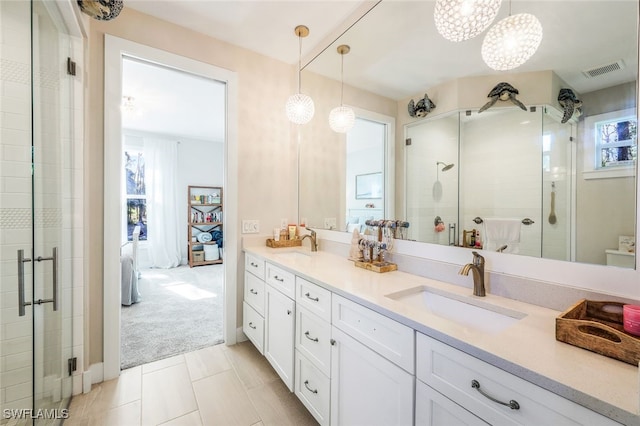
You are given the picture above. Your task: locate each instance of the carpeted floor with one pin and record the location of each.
(181, 310)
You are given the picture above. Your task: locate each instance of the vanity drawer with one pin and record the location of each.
(313, 389)
(253, 326)
(452, 373)
(313, 338)
(435, 409)
(281, 280)
(254, 265)
(254, 292)
(314, 298)
(389, 338)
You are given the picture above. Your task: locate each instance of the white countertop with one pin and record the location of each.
(527, 349)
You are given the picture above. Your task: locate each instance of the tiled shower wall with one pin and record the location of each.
(59, 138)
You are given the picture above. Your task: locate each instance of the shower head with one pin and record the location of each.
(446, 166)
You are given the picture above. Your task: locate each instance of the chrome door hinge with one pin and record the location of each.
(71, 67)
(73, 365)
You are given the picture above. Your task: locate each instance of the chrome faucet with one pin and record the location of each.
(478, 273)
(314, 240)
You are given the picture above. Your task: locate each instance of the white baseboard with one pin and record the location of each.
(86, 382)
(95, 374)
(240, 336)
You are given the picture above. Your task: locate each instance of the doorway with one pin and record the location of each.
(173, 128)
(116, 50)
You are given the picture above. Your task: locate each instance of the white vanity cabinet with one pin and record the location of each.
(279, 333)
(313, 349)
(254, 297)
(372, 379)
(492, 394)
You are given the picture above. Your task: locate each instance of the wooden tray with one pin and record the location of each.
(598, 327)
(283, 243)
(377, 266)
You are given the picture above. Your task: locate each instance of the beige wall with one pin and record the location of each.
(265, 143)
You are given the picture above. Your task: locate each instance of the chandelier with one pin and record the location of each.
(459, 20)
(342, 118)
(512, 41)
(299, 107)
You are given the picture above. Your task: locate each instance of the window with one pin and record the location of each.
(136, 199)
(616, 142)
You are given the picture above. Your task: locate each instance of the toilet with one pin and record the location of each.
(619, 258)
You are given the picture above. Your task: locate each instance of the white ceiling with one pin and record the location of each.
(395, 49)
(171, 102)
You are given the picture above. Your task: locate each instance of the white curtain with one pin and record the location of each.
(161, 173)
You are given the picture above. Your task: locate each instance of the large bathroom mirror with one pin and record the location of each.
(572, 184)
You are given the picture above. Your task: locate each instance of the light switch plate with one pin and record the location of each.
(250, 226)
(330, 223)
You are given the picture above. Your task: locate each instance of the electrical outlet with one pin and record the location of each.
(330, 223)
(250, 226)
(284, 223)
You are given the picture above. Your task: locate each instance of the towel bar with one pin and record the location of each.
(525, 221)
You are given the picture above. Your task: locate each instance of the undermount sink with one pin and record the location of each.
(472, 313)
(295, 254)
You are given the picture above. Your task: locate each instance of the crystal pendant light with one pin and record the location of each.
(512, 41)
(299, 107)
(342, 118)
(459, 20)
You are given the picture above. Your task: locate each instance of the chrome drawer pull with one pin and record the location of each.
(306, 384)
(277, 278)
(313, 339)
(511, 404)
(252, 326)
(315, 299)
(252, 291)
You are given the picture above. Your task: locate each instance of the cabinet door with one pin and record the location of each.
(435, 409)
(366, 388)
(279, 335)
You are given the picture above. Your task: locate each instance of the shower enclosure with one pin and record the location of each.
(508, 163)
(40, 209)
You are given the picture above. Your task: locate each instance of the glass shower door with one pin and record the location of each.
(35, 234)
(431, 167)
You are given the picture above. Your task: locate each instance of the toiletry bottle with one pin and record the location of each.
(478, 239)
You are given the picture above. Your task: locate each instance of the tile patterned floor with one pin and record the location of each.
(219, 385)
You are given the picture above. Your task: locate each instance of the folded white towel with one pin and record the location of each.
(499, 232)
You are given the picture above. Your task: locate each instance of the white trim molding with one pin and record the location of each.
(115, 49)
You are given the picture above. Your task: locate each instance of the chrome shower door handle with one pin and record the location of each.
(54, 298)
(21, 302)
(54, 257)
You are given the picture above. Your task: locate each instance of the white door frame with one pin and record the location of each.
(115, 49)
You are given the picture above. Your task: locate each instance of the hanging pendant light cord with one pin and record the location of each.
(299, 60)
(341, 78)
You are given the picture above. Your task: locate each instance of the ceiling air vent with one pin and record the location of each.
(604, 69)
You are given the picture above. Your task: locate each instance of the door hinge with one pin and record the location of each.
(71, 67)
(73, 365)
(407, 141)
